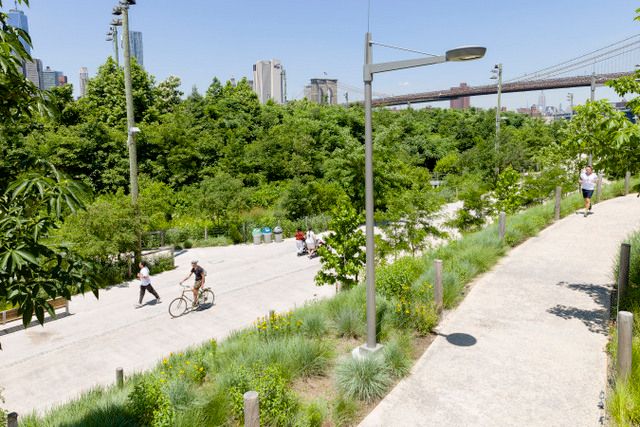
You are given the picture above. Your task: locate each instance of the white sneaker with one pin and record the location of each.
(158, 300)
(138, 305)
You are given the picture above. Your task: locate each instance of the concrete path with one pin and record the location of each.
(43, 366)
(526, 347)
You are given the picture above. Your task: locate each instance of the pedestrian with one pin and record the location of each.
(200, 275)
(145, 283)
(587, 183)
(300, 241)
(311, 241)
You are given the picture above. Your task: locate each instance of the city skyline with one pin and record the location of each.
(315, 43)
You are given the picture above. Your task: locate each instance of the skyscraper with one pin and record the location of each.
(17, 18)
(48, 79)
(33, 72)
(135, 41)
(268, 81)
(84, 78)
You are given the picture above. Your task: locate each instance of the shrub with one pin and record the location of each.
(180, 392)
(277, 401)
(397, 355)
(312, 415)
(211, 242)
(343, 410)
(364, 378)
(149, 404)
(313, 323)
(394, 280)
(349, 323)
(277, 325)
(160, 264)
(188, 244)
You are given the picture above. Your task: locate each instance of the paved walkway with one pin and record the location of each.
(526, 347)
(43, 366)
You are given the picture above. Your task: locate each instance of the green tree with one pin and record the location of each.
(168, 95)
(343, 256)
(507, 192)
(33, 268)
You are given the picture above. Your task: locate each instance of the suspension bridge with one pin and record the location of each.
(590, 69)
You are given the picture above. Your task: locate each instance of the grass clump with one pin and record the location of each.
(344, 411)
(397, 355)
(365, 379)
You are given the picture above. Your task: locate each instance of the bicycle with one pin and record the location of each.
(180, 305)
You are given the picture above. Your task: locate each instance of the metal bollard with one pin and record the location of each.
(119, 377)
(625, 337)
(251, 409)
(502, 225)
(558, 199)
(627, 182)
(12, 420)
(438, 293)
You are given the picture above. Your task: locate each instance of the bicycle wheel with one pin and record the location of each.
(178, 307)
(207, 297)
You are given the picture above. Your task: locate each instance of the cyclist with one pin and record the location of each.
(200, 275)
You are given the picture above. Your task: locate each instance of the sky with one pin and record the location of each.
(197, 40)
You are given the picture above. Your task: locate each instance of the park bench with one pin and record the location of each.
(11, 315)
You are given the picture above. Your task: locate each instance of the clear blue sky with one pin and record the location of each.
(199, 39)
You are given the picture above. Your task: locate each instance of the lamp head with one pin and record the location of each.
(465, 53)
(134, 130)
(127, 2)
(109, 39)
(117, 11)
(116, 22)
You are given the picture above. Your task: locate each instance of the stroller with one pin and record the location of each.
(301, 245)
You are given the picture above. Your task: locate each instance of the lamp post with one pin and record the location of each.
(570, 99)
(123, 10)
(369, 69)
(497, 74)
(112, 35)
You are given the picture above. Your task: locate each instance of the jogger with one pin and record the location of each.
(145, 283)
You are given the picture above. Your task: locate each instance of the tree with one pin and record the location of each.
(507, 192)
(167, 95)
(343, 257)
(34, 269)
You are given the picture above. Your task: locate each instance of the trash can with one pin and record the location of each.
(278, 234)
(257, 236)
(266, 232)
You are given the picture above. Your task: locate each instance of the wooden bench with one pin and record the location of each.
(11, 315)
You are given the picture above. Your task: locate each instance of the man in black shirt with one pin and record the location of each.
(200, 278)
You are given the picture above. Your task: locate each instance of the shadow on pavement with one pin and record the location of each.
(19, 327)
(459, 339)
(596, 319)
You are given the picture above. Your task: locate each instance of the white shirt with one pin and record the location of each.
(588, 181)
(144, 277)
(311, 239)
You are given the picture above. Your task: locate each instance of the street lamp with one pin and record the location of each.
(123, 10)
(112, 35)
(459, 54)
(570, 99)
(497, 75)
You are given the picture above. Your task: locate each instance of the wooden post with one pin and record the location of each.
(627, 181)
(599, 188)
(66, 307)
(4, 317)
(119, 377)
(625, 336)
(251, 409)
(558, 199)
(206, 232)
(438, 293)
(12, 420)
(623, 269)
(502, 225)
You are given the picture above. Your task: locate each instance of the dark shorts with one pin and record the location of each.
(198, 284)
(587, 193)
